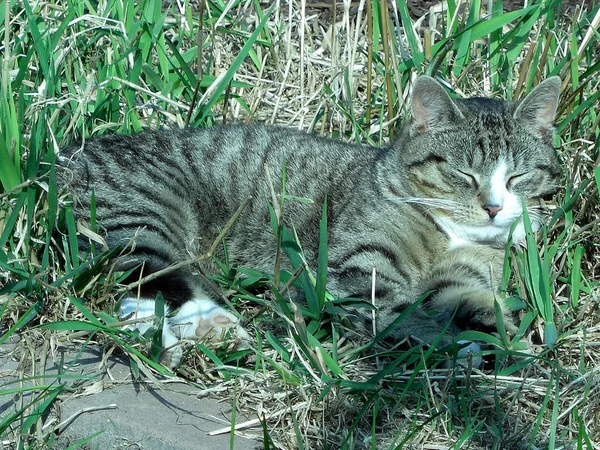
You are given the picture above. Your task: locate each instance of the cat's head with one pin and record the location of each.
(472, 162)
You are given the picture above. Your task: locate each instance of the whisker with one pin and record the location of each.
(537, 211)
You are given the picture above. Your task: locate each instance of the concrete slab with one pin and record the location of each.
(131, 415)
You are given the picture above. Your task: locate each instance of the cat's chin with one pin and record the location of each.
(492, 234)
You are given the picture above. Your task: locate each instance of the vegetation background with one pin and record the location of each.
(73, 69)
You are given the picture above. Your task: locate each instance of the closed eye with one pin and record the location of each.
(470, 177)
(515, 179)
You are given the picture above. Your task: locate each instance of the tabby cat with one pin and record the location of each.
(433, 212)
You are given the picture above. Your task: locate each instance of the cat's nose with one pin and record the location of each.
(492, 209)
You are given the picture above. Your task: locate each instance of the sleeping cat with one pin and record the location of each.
(433, 212)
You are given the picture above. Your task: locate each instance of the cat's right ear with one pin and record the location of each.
(432, 107)
(537, 110)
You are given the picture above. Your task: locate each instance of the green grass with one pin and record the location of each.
(76, 69)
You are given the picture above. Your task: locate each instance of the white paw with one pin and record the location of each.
(205, 320)
(141, 313)
(199, 319)
(172, 350)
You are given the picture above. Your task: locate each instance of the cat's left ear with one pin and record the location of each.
(538, 109)
(432, 107)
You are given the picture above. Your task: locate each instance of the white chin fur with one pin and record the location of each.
(492, 235)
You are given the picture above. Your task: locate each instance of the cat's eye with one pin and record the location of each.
(514, 179)
(471, 177)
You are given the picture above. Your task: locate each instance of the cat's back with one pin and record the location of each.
(226, 163)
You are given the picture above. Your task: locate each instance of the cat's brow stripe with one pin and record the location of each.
(430, 158)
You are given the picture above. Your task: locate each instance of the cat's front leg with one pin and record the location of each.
(465, 285)
(392, 296)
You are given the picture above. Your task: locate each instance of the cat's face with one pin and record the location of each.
(474, 162)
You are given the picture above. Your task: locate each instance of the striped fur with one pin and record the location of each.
(432, 212)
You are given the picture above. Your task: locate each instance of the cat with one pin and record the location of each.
(431, 213)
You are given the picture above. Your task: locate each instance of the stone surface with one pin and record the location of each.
(131, 415)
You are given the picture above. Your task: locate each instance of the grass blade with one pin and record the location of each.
(322, 259)
(228, 76)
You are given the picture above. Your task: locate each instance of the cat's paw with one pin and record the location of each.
(199, 319)
(203, 319)
(484, 318)
(474, 310)
(140, 314)
(172, 350)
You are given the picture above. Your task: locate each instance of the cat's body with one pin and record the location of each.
(431, 213)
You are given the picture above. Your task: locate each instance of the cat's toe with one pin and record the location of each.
(172, 351)
(217, 323)
(205, 320)
(476, 311)
(487, 321)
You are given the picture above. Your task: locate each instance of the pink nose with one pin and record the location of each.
(492, 209)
